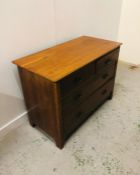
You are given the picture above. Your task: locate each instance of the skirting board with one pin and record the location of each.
(129, 62)
(13, 124)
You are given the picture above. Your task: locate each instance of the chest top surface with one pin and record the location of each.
(59, 61)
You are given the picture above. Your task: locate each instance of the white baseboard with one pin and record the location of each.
(128, 61)
(13, 124)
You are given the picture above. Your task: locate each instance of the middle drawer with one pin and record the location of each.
(76, 78)
(73, 118)
(80, 93)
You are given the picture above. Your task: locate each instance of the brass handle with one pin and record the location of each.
(77, 96)
(105, 76)
(78, 115)
(108, 61)
(104, 92)
(77, 80)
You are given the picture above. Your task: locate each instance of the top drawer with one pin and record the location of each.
(106, 60)
(76, 78)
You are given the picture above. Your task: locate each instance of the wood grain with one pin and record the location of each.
(84, 110)
(64, 84)
(43, 103)
(81, 93)
(71, 56)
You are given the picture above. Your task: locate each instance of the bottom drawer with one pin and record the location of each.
(72, 119)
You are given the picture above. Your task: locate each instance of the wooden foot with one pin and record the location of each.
(33, 125)
(110, 96)
(60, 144)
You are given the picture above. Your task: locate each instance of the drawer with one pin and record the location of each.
(106, 60)
(79, 94)
(72, 119)
(77, 78)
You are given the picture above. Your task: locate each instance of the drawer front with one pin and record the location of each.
(72, 119)
(75, 79)
(106, 60)
(79, 94)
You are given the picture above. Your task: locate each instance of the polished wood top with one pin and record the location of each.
(59, 61)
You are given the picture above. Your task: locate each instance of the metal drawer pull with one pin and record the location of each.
(105, 76)
(78, 115)
(77, 79)
(104, 92)
(108, 61)
(77, 96)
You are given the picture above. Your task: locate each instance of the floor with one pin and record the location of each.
(107, 144)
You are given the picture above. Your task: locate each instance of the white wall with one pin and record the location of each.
(129, 31)
(26, 26)
(87, 17)
(29, 26)
(15, 108)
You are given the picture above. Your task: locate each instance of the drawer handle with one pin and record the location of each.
(77, 80)
(104, 92)
(105, 76)
(78, 115)
(77, 96)
(108, 61)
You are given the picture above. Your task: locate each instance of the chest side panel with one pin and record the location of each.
(42, 101)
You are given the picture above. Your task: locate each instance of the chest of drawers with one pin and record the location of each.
(65, 84)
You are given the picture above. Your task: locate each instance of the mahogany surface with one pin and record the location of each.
(65, 84)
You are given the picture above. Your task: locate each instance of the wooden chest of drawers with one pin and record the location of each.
(64, 84)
